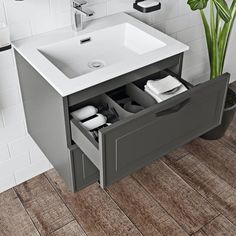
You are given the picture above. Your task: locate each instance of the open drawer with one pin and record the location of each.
(138, 139)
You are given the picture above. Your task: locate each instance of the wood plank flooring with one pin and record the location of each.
(44, 206)
(191, 191)
(220, 226)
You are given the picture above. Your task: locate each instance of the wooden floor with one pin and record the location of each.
(191, 191)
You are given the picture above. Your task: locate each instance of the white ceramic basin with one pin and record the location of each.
(107, 48)
(90, 52)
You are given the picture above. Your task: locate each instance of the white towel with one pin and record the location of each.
(164, 96)
(149, 91)
(163, 85)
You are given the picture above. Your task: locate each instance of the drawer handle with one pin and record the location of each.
(173, 109)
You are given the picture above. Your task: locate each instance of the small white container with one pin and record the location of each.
(84, 112)
(4, 35)
(95, 122)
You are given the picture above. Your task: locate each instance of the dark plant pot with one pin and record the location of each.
(228, 115)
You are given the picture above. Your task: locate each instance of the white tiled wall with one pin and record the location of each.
(20, 158)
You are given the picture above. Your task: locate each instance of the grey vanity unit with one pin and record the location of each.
(132, 142)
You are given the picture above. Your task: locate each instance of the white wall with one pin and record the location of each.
(20, 158)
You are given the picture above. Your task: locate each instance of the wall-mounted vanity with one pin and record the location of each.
(56, 79)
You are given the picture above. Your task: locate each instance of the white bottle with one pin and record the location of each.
(84, 112)
(95, 122)
(4, 35)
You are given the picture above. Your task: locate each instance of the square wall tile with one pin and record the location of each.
(171, 8)
(116, 6)
(199, 46)
(231, 55)
(13, 115)
(58, 6)
(1, 121)
(6, 59)
(182, 22)
(191, 34)
(160, 16)
(192, 58)
(96, 1)
(9, 98)
(184, 8)
(8, 78)
(2, 13)
(31, 171)
(42, 23)
(62, 19)
(25, 10)
(36, 155)
(4, 153)
(197, 73)
(7, 182)
(20, 29)
(11, 133)
(100, 10)
(20, 146)
(13, 164)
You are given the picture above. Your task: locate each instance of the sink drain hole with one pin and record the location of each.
(96, 64)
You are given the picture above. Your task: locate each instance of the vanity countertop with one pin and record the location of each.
(28, 48)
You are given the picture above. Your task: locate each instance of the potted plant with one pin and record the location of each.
(218, 29)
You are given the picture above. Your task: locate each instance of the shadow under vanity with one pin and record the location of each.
(134, 139)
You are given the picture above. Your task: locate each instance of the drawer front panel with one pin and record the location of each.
(156, 131)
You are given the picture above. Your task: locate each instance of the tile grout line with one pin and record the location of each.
(191, 187)
(207, 224)
(180, 158)
(146, 190)
(234, 187)
(106, 194)
(48, 233)
(121, 210)
(50, 182)
(188, 185)
(5, 13)
(154, 201)
(227, 143)
(61, 227)
(25, 210)
(32, 219)
(214, 207)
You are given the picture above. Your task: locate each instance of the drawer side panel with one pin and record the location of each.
(85, 173)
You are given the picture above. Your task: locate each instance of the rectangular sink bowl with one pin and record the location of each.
(102, 48)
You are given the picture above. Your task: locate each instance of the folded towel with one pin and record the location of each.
(149, 91)
(163, 85)
(164, 96)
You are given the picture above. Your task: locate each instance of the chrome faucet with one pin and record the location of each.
(78, 12)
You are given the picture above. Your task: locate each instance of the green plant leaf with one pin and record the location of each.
(208, 34)
(223, 9)
(225, 35)
(197, 4)
(214, 59)
(217, 34)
